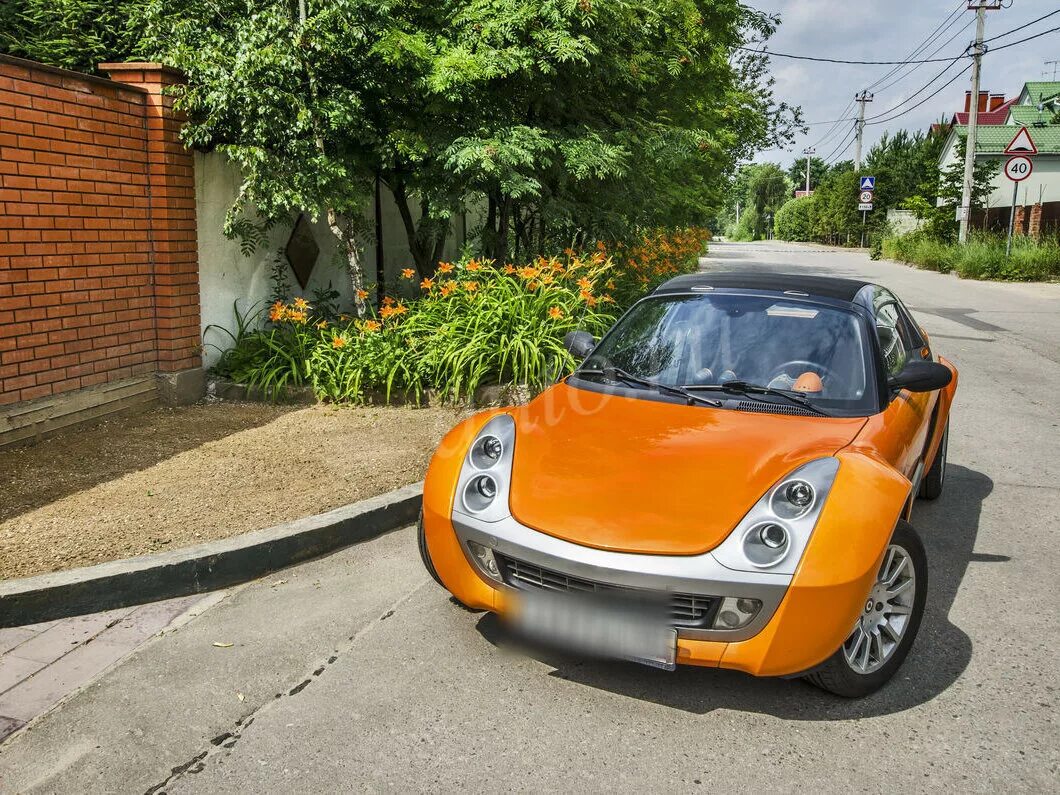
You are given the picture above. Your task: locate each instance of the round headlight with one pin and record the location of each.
(487, 452)
(766, 544)
(479, 493)
(793, 499)
(773, 536)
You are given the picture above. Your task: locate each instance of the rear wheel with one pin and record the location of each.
(887, 626)
(931, 486)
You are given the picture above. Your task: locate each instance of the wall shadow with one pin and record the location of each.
(939, 656)
(33, 475)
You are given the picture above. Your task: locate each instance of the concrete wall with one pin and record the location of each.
(227, 276)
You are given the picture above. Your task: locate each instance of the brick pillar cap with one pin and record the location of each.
(139, 66)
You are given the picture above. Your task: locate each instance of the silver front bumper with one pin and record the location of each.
(700, 575)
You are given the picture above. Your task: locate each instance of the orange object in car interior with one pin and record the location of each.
(809, 382)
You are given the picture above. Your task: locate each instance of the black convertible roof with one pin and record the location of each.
(821, 286)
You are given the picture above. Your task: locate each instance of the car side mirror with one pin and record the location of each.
(579, 344)
(921, 376)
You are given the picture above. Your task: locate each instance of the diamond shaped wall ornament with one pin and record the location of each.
(302, 250)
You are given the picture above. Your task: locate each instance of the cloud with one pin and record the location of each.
(875, 31)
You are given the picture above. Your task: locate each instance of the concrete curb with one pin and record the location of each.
(204, 567)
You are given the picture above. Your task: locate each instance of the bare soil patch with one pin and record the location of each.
(174, 477)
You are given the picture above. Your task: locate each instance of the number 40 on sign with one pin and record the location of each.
(1019, 168)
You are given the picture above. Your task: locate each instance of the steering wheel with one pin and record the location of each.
(803, 366)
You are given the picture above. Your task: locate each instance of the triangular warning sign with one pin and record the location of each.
(1022, 144)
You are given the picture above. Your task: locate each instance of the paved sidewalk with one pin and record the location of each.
(40, 664)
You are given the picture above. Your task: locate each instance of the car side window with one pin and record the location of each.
(892, 331)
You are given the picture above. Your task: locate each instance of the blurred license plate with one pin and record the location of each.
(604, 625)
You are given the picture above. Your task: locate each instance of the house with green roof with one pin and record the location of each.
(1038, 109)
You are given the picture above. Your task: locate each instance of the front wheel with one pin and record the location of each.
(887, 626)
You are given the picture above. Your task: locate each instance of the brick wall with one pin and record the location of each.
(98, 273)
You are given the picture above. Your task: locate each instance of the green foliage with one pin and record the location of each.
(982, 258)
(474, 323)
(795, 220)
(797, 172)
(563, 120)
(73, 34)
(760, 189)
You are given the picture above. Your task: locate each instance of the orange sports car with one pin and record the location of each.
(726, 480)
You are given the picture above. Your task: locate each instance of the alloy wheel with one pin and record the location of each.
(883, 622)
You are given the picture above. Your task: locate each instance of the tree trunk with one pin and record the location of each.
(344, 229)
(426, 239)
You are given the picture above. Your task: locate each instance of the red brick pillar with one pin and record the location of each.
(1017, 228)
(171, 177)
(1035, 228)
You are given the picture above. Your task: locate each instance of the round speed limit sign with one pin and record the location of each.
(1019, 168)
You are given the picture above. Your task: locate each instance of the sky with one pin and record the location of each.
(890, 31)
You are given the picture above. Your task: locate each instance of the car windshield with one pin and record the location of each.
(703, 342)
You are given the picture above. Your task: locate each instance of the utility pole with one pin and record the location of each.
(809, 153)
(862, 98)
(980, 7)
(1056, 68)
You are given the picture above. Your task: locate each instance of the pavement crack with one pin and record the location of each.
(223, 743)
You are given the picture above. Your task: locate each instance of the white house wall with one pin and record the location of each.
(227, 277)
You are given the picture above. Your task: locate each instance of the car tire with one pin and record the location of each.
(857, 670)
(931, 485)
(425, 556)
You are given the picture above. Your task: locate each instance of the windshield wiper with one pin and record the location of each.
(754, 390)
(618, 374)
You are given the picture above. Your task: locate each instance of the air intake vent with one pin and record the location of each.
(774, 408)
(686, 610)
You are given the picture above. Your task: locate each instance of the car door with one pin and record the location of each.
(903, 434)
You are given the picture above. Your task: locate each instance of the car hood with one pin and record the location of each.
(636, 475)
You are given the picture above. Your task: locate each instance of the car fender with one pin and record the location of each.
(945, 403)
(439, 492)
(837, 571)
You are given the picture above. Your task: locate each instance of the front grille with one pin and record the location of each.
(686, 610)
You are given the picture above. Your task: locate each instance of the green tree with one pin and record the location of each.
(562, 119)
(797, 172)
(795, 219)
(73, 34)
(760, 190)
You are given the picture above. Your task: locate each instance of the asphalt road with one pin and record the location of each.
(356, 672)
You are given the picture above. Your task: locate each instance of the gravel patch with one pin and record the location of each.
(174, 477)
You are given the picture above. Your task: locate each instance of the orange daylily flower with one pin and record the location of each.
(471, 286)
(445, 267)
(427, 284)
(277, 311)
(388, 301)
(447, 289)
(555, 312)
(509, 269)
(300, 304)
(408, 273)
(338, 342)
(322, 324)
(585, 284)
(369, 325)
(474, 265)
(362, 294)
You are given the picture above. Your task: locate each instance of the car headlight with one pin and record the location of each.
(485, 477)
(773, 535)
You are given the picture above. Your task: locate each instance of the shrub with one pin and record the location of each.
(794, 220)
(473, 323)
(983, 257)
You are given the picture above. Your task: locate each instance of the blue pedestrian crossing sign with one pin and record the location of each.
(868, 183)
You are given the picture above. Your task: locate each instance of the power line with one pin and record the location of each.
(1023, 41)
(771, 53)
(916, 68)
(1022, 27)
(911, 97)
(943, 26)
(924, 101)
